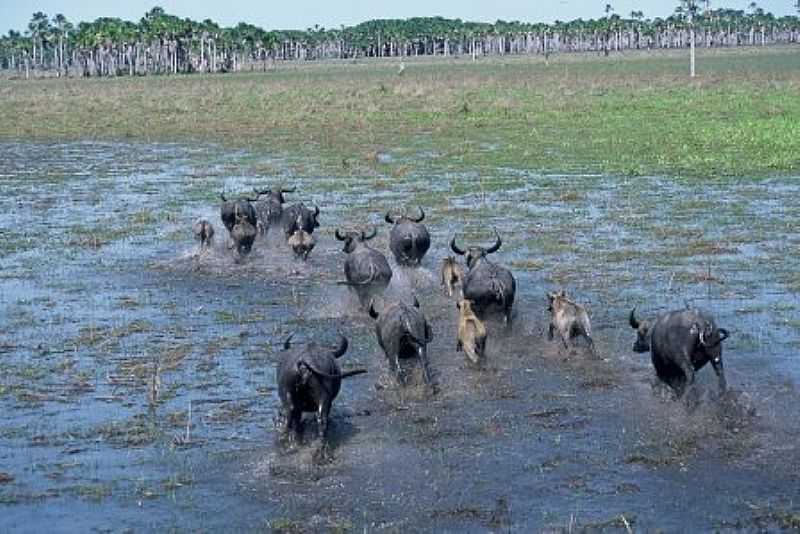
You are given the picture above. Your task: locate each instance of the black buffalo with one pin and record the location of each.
(242, 206)
(299, 217)
(403, 333)
(489, 286)
(365, 269)
(409, 239)
(309, 378)
(681, 342)
(269, 208)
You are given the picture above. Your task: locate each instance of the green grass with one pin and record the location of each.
(633, 114)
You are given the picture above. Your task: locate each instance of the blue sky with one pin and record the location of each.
(15, 14)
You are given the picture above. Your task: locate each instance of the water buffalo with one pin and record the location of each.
(452, 275)
(403, 333)
(409, 239)
(681, 342)
(569, 319)
(309, 378)
(243, 234)
(488, 285)
(229, 209)
(270, 208)
(471, 333)
(365, 269)
(204, 232)
(299, 217)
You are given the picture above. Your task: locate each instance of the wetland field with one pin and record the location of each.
(137, 378)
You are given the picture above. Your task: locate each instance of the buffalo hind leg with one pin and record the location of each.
(423, 360)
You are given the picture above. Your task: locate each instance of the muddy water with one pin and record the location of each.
(137, 384)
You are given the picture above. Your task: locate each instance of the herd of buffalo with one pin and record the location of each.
(309, 377)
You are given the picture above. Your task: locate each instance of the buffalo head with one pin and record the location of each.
(352, 237)
(474, 254)
(275, 193)
(392, 220)
(642, 328)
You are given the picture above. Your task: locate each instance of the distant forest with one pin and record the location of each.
(161, 43)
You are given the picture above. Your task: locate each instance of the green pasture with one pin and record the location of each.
(631, 114)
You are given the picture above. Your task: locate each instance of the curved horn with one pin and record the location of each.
(222, 196)
(497, 243)
(421, 215)
(339, 236)
(342, 348)
(372, 312)
(261, 191)
(365, 237)
(632, 319)
(723, 332)
(316, 211)
(388, 218)
(287, 344)
(292, 190)
(416, 302)
(454, 248)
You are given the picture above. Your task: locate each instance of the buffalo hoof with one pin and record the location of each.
(323, 454)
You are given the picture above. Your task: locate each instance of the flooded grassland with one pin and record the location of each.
(137, 378)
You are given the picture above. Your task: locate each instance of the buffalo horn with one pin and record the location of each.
(632, 319)
(388, 218)
(365, 237)
(342, 348)
(222, 196)
(288, 190)
(497, 243)
(316, 211)
(421, 215)
(372, 312)
(339, 236)
(261, 192)
(454, 248)
(287, 344)
(416, 302)
(723, 334)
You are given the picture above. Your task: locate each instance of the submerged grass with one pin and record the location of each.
(628, 114)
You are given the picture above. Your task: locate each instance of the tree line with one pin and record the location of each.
(161, 43)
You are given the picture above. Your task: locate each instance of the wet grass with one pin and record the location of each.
(637, 114)
(140, 357)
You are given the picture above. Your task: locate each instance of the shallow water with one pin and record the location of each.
(137, 382)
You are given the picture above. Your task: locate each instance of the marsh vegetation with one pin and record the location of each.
(137, 381)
